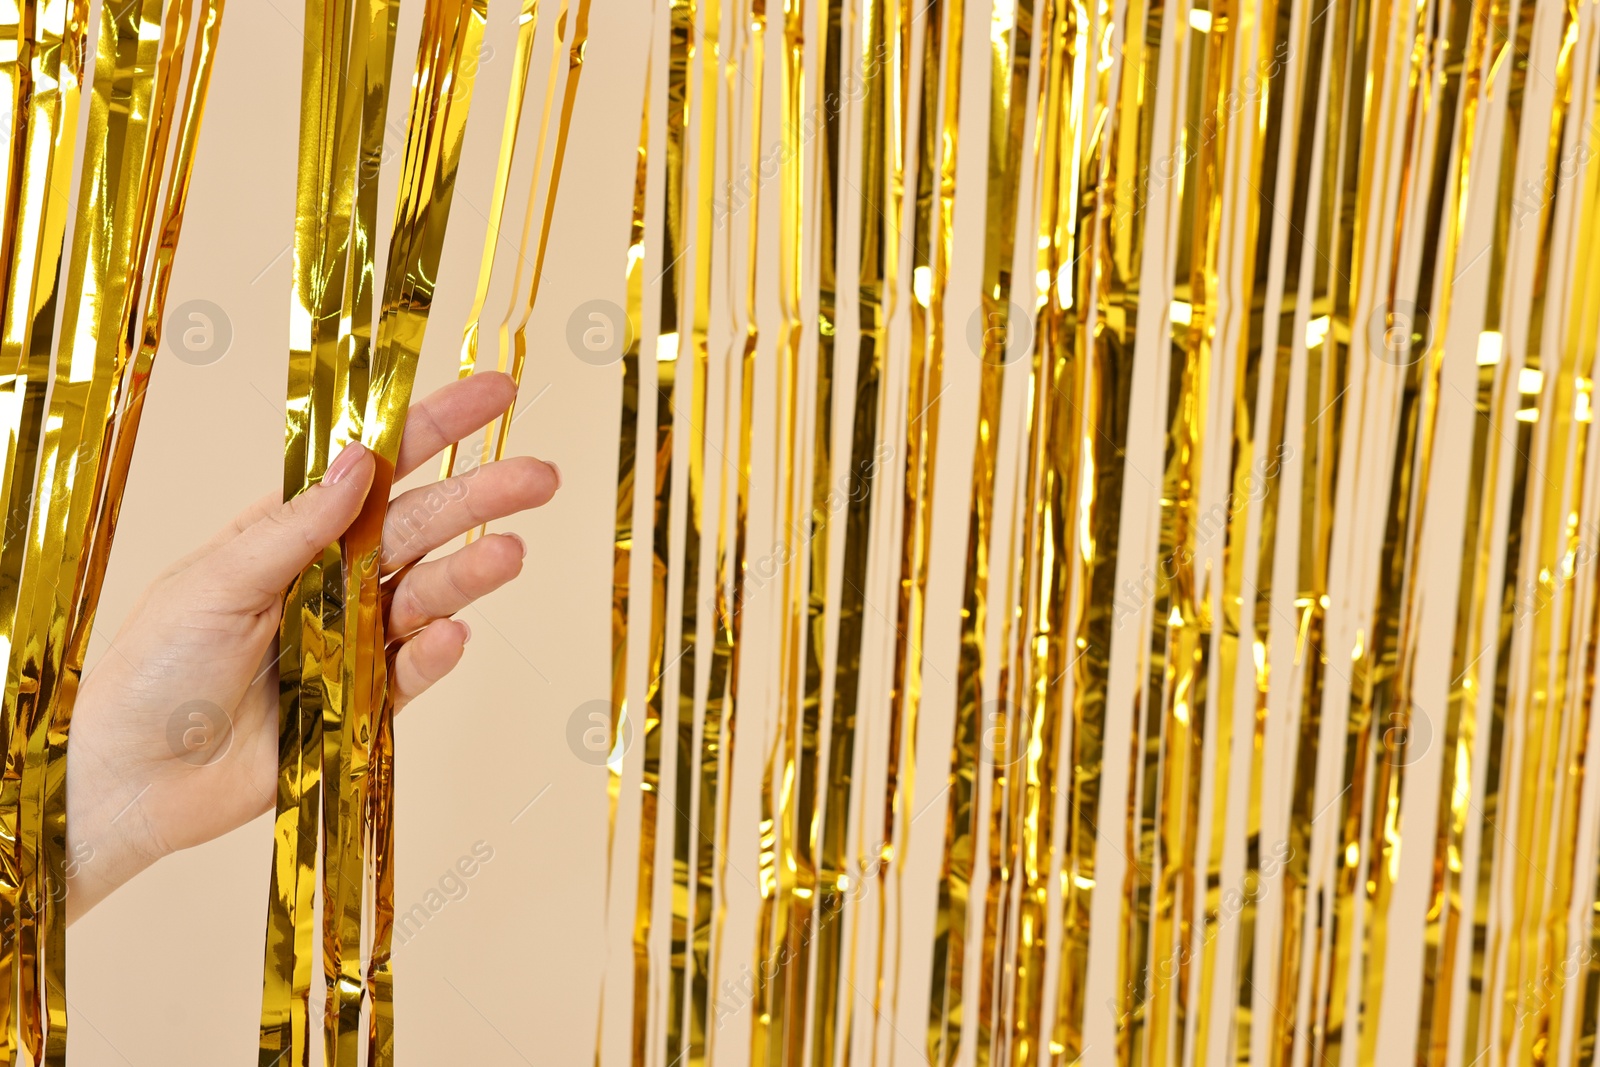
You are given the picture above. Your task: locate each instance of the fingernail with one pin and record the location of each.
(557, 470)
(522, 546)
(466, 631)
(344, 463)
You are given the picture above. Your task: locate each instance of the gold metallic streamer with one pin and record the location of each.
(1278, 334)
(882, 175)
(799, 816)
(1118, 229)
(1024, 736)
(1011, 74)
(932, 242)
(1043, 650)
(1521, 991)
(766, 1045)
(669, 345)
(1542, 1039)
(441, 98)
(1513, 52)
(346, 740)
(516, 350)
(45, 108)
(1176, 689)
(748, 70)
(1067, 239)
(66, 462)
(330, 169)
(694, 769)
(1444, 910)
(1250, 477)
(527, 27)
(337, 740)
(1586, 317)
(1381, 706)
(1347, 130)
(1475, 1020)
(627, 467)
(98, 307)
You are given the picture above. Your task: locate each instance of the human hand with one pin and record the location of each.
(175, 732)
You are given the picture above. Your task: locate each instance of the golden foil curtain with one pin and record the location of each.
(1268, 641)
(134, 77)
(1246, 635)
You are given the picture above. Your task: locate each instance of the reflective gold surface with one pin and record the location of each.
(1248, 668)
(353, 358)
(136, 77)
(1202, 522)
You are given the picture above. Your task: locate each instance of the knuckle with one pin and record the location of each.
(296, 519)
(408, 608)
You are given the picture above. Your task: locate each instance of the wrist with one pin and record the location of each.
(108, 835)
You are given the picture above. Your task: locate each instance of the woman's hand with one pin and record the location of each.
(175, 734)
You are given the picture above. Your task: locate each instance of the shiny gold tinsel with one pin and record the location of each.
(72, 404)
(350, 380)
(1282, 317)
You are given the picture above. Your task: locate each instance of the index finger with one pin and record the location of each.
(449, 414)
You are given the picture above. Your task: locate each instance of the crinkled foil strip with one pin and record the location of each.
(1342, 138)
(1160, 892)
(1460, 733)
(1529, 995)
(1379, 719)
(746, 76)
(1011, 47)
(1493, 659)
(350, 379)
(675, 286)
(799, 801)
(697, 748)
(527, 28)
(571, 42)
(937, 139)
(883, 51)
(73, 408)
(627, 470)
(777, 779)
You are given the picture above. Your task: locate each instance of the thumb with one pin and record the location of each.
(256, 566)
